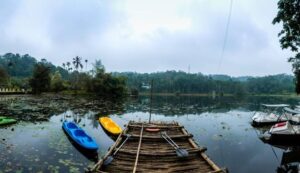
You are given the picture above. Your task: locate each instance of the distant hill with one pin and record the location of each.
(178, 81)
(21, 66)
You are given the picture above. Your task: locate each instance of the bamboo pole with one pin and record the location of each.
(138, 150)
(118, 141)
(210, 162)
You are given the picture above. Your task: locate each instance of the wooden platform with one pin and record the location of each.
(149, 152)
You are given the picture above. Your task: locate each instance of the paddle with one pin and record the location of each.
(109, 159)
(179, 151)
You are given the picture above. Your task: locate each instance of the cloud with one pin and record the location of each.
(147, 36)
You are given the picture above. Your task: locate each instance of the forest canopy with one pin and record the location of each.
(21, 71)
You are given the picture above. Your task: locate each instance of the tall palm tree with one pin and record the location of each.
(68, 65)
(77, 62)
(64, 65)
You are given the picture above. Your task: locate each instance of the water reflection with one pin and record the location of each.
(289, 162)
(170, 106)
(222, 124)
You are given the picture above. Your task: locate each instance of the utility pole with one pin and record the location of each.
(151, 93)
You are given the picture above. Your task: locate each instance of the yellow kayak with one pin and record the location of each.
(109, 125)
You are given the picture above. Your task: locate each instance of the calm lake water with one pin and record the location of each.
(37, 142)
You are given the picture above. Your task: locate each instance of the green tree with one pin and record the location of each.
(57, 82)
(104, 84)
(68, 65)
(77, 62)
(3, 77)
(289, 37)
(40, 81)
(98, 65)
(64, 65)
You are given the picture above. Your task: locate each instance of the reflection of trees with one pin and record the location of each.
(40, 108)
(171, 105)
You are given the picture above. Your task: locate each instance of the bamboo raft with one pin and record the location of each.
(148, 152)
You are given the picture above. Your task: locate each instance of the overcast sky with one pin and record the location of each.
(147, 35)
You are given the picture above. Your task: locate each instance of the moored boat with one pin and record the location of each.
(283, 133)
(110, 126)
(6, 120)
(79, 136)
(271, 116)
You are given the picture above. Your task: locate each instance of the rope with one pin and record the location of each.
(219, 66)
(226, 35)
(275, 154)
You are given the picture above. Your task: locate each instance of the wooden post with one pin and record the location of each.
(151, 91)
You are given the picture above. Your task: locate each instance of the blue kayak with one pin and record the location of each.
(79, 136)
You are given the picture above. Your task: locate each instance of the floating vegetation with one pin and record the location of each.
(73, 165)
(53, 169)
(37, 142)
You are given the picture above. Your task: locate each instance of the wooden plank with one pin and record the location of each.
(138, 151)
(159, 153)
(153, 154)
(157, 126)
(118, 141)
(159, 137)
(219, 171)
(213, 165)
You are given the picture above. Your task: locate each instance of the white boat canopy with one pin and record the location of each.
(275, 105)
(291, 111)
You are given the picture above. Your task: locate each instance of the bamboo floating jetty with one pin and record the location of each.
(147, 151)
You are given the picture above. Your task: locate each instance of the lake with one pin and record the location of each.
(37, 142)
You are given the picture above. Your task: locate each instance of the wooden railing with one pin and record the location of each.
(12, 91)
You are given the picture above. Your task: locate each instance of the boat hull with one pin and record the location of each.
(84, 141)
(7, 121)
(110, 126)
(281, 139)
(260, 124)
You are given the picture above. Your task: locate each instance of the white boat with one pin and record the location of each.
(285, 132)
(270, 116)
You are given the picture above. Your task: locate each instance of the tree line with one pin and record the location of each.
(182, 82)
(26, 72)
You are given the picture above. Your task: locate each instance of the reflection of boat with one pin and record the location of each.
(290, 160)
(285, 132)
(269, 117)
(79, 136)
(6, 120)
(110, 126)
